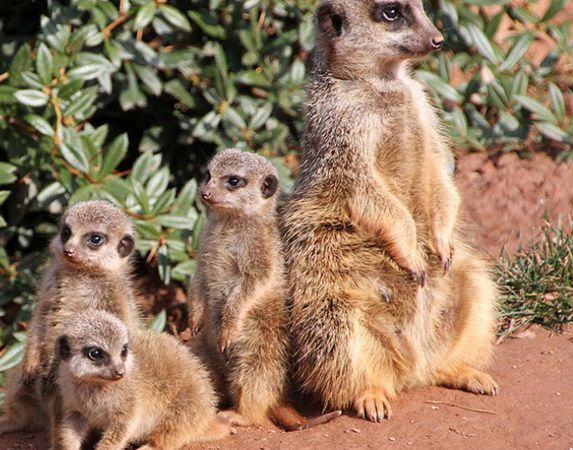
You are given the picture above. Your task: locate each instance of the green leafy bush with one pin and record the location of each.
(126, 100)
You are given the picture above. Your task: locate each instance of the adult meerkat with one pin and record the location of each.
(379, 301)
(90, 269)
(133, 386)
(239, 290)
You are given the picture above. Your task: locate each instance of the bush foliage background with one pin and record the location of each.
(127, 100)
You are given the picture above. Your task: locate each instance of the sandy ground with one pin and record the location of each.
(506, 199)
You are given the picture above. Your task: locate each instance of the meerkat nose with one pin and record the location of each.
(118, 373)
(437, 42)
(205, 194)
(69, 251)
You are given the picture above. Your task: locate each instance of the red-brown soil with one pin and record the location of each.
(506, 198)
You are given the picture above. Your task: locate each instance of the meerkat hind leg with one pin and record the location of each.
(235, 418)
(468, 379)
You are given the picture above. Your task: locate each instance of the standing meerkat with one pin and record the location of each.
(90, 269)
(380, 303)
(133, 386)
(239, 290)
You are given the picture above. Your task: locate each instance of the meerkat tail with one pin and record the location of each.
(287, 418)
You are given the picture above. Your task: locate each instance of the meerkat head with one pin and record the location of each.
(355, 37)
(95, 348)
(240, 182)
(94, 235)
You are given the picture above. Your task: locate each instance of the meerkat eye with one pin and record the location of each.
(387, 13)
(208, 176)
(124, 351)
(391, 13)
(94, 353)
(66, 233)
(236, 182)
(95, 239)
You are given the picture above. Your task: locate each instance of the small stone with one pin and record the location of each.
(558, 393)
(435, 407)
(273, 431)
(233, 430)
(514, 367)
(355, 430)
(392, 439)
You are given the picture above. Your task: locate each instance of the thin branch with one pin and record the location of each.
(59, 118)
(116, 23)
(467, 408)
(4, 76)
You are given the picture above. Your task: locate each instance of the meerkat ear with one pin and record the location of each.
(330, 22)
(269, 186)
(126, 245)
(63, 350)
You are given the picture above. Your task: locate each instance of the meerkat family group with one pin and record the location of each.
(360, 287)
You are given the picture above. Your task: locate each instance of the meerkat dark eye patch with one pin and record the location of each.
(125, 246)
(269, 186)
(124, 351)
(63, 348)
(208, 177)
(329, 21)
(65, 234)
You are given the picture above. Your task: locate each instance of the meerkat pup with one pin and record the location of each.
(380, 302)
(239, 290)
(134, 386)
(90, 268)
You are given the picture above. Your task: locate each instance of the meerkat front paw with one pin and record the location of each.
(195, 325)
(227, 336)
(445, 252)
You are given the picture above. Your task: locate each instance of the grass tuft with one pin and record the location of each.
(537, 284)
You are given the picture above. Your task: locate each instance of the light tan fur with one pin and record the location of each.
(146, 389)
(80, 275)
(239, 290)
(380, 302)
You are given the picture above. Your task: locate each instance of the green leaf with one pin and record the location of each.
(208, 27)
(179, 222)
(40, 124)
(144, 15)
(557, 101)
(81, 102)
(552, 131)
(175, 17)
(70, 88)
(184, 269)
(73, 150)
(7, 94)
(553, 9)
(539, 110)
(261, 116)
(157, 183)
(31, 97)
(114, 155)
(4, 195)
(159, 321)
(141, 167)
(7, 173)
(44, 63)
(517, 51)
(519, 85)
(440, 86)
(186, 198)
(180, 92)
(13, 356)
(234, 117)
(20, 63)
(149, 77)
(482, 43)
